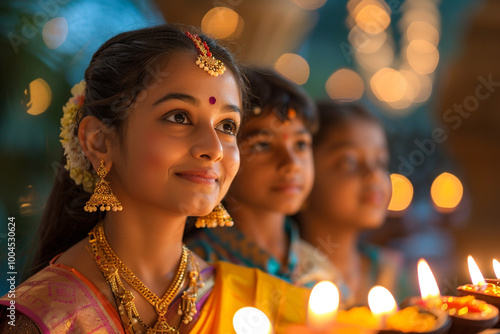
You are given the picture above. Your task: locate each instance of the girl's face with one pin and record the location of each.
(352, 185)
(276, 172)
(179, 153)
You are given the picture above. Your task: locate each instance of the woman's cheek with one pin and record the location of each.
(232, 163)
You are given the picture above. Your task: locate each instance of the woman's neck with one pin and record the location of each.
(148, 242)
(265, 228)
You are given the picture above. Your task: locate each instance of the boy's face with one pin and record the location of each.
(352, 188)
(276, 171)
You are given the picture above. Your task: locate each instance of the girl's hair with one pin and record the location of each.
(332, 114)
(271, 92)
(120, 70)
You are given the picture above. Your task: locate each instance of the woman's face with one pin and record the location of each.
(352, 187)
(179, 151)
(277, 172)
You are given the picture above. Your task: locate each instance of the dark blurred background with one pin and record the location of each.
(429, 68)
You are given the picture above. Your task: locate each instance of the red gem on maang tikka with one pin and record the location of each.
(205, 60)
(212, 100)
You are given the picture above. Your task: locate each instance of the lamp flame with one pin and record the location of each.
(496, 268)
(323, 304)
(381, 301)
(428, 286)
(475, 274)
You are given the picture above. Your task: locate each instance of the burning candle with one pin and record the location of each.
(475, 274)
(323, 305)
(496, 268)
(250, 320)
(429, 290)
(382, 304)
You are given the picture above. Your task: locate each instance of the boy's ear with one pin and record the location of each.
(95, 140)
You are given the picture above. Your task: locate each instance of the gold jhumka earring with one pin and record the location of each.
(218, 217)
(103, 196)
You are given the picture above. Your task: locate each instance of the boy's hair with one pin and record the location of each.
(271, 92)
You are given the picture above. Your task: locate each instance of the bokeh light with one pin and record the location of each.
(345, 85)
(402, 193)
(446, 192)
(39, 95)
(388, 85)
(422, 56)
(220, 22)
(309, 4)
(54, 32)
(293, 67)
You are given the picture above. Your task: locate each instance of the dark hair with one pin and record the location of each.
(271, 92)
(118, 72)
(333, 114)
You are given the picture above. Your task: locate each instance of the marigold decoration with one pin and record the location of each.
(76, 162)
(205, 60)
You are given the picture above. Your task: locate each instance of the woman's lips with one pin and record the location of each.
(203, 177)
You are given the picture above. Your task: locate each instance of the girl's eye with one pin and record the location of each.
(178, 117)
(348, 163)
(303, 145)
(228, 126)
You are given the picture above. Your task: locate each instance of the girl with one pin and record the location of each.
(350, 195)
(275, 177)
(157, 121)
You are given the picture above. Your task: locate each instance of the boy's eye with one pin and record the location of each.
(261, 146)
(178, 117)
(228, 126)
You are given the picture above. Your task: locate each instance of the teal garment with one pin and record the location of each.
(231, 245)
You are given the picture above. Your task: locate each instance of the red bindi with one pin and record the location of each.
(212, 100)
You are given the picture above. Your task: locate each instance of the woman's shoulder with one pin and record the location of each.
(60, 295)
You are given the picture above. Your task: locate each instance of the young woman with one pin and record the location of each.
(351, 193)
(157, 121)
(275, 177)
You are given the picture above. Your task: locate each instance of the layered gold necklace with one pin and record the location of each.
(114, 270)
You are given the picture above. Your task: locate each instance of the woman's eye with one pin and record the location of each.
(228, 127)
(178, 117)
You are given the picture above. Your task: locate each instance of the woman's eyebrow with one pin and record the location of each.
(178, 96)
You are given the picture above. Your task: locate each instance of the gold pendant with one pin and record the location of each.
(162, 327)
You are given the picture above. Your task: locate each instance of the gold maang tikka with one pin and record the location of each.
(103, 196)
(218, 217)
(205, 60)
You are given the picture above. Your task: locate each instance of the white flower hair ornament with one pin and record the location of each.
(76, 162)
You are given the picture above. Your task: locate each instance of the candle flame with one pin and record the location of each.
(251, 320)
(428, 286)
(381, 301)
(496, 268)
(475, 273)
(324, 298)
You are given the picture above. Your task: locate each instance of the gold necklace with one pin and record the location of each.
(114, 269)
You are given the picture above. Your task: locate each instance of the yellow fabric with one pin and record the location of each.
(237, 287)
